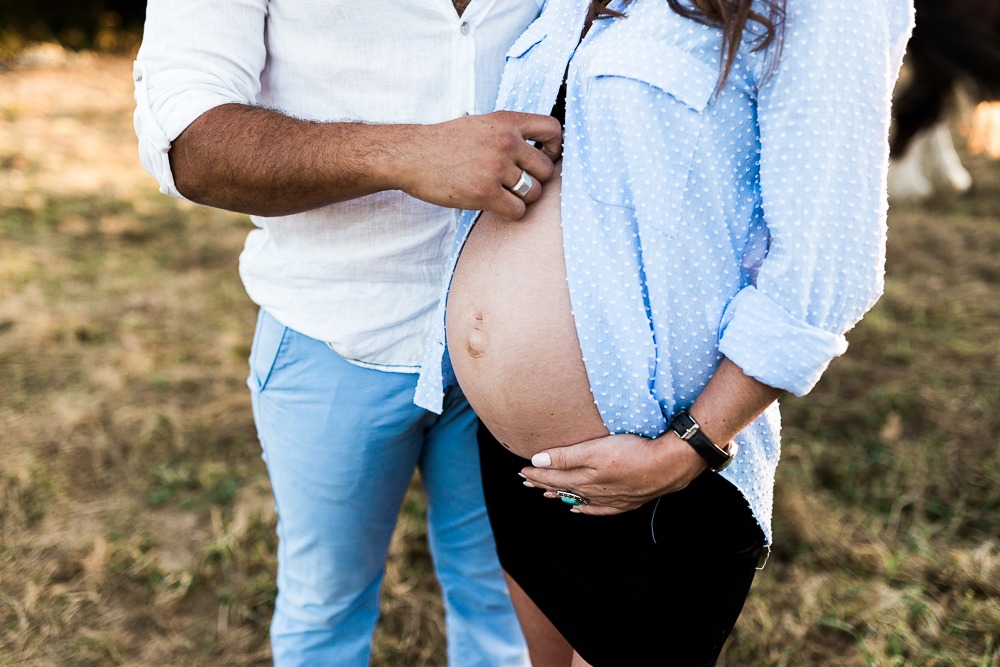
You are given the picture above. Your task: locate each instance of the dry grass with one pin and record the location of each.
(888, 501)
(136, 526)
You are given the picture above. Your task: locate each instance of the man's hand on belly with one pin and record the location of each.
(616, 473)
(471, 162)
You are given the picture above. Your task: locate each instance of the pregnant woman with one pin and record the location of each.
(715, 228)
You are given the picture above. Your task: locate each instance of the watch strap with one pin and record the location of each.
(689, 430)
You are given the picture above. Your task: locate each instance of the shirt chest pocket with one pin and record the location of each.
(641, 116)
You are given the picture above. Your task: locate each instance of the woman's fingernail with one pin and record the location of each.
(541, 460)
(576, 510)
(522, 475)
(528, 484)
(549, 494)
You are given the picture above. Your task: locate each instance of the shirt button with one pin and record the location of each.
(465, 28)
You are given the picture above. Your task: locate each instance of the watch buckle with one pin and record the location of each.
(690, 432)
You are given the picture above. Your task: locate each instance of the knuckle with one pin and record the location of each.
(506, 142)
(499, 168)
(546, 164)
(545, 168)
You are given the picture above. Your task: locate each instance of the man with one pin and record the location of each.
(329, 122)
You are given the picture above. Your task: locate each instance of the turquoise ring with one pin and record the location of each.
(571, 498)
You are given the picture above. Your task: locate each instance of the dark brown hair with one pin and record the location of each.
(730, 16)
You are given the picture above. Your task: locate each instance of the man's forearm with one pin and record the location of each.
(260, 161)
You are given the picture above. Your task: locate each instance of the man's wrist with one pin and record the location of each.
(391, 162)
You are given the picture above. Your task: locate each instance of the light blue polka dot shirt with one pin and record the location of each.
(747, 222)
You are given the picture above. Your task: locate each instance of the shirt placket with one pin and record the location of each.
(463, 67)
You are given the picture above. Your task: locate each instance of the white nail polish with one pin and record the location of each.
(541, 460)
(528, 484)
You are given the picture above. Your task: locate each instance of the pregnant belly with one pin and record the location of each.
(511, 333)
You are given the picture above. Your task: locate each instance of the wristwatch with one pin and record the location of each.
(688, 430)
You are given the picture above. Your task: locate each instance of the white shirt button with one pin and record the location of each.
(465, 28)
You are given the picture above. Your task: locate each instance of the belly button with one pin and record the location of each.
(476, 344)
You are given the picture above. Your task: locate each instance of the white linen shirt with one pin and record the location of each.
(747, 223)
(362, 275)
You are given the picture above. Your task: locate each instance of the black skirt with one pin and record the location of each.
(659, 585)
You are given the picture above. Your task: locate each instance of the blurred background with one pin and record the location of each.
(107, 25)
(136, 523)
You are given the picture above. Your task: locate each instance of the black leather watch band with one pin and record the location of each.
(688, 430)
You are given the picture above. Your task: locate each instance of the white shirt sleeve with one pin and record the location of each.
(195, 56)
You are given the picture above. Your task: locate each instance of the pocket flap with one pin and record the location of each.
(531, 36)
(672, 70)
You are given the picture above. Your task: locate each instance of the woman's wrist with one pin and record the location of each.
(677, 462)
(688, 429)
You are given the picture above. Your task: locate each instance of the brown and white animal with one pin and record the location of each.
(955, 45)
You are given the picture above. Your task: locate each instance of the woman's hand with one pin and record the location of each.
(616, 473)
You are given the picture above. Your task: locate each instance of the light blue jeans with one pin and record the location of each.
(341, 445)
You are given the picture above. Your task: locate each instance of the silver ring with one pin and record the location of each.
(523, 185)
(571, 498)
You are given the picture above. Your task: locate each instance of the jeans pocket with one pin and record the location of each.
(268, 340)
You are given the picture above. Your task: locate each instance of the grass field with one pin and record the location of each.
(136, 525)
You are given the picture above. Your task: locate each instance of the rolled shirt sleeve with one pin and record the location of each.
(194, 56)
(824, 119)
